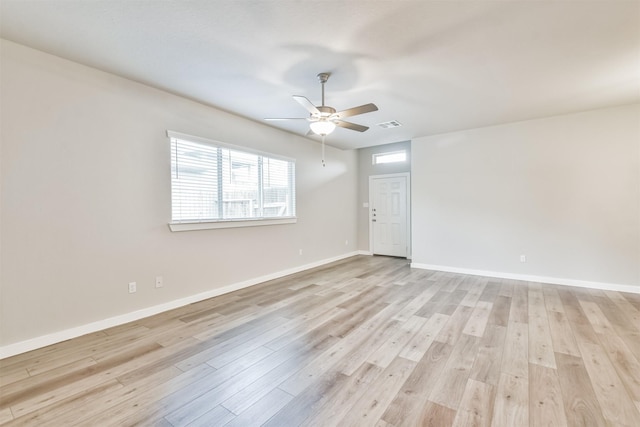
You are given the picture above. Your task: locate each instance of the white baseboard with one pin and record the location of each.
(56, 337)
(528, 278)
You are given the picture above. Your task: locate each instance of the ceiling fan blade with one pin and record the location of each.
(366, 108)
(285, 118)
(307, 105)
(349, 125)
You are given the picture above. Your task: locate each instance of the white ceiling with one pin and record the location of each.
(434, 66)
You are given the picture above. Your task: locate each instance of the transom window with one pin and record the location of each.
(216, 182)
(391, 157)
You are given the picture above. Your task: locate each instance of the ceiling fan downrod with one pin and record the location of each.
(325, 112)
(323, 77)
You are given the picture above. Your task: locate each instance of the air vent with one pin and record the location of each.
(391, 124)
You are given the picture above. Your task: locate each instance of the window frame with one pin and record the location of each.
(206, 224)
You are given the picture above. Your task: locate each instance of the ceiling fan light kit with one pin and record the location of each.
(322, 127)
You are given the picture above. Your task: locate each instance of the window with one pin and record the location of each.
(392, 157)
(225, 185)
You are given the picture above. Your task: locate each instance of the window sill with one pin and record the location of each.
(209, 225)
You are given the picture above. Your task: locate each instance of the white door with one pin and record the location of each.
(388, 214)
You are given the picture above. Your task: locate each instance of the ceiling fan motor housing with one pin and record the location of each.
(326, 111)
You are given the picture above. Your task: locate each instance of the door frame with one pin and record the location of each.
(407, 176)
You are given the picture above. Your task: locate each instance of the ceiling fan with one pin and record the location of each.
(324, 119)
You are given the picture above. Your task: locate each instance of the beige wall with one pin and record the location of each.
(564, 191)
(86, 199)
(365, 169)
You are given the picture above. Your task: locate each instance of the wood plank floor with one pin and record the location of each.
(365, 341)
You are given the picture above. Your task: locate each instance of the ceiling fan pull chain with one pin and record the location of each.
(323, 163)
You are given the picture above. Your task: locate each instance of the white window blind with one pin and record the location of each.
(211, 181)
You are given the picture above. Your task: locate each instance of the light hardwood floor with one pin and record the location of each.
(366, 341)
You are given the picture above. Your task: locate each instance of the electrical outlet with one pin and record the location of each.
(523, 258)
(346, 243)
(132, 287)
(158, 281)
(300, 252)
